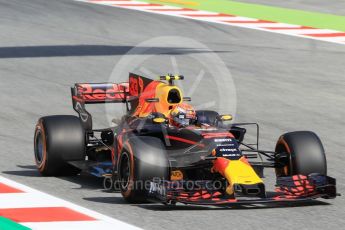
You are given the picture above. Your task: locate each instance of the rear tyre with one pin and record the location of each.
(305, 151)
(142, 159)
(58, 139)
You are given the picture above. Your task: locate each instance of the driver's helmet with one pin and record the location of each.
(182, 115)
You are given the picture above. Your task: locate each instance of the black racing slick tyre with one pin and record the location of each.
(142, 159)
(305, 151)
(58, 139)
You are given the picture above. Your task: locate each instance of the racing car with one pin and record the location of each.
(163, 150)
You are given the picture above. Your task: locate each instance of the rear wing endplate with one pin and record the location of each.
(95, 93)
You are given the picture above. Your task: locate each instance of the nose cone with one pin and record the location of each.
(220, 165)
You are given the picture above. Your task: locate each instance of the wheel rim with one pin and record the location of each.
(39, 147)
(125, 171)
(283, 147)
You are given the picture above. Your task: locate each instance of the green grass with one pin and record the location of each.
(277, 14)
(10, 225)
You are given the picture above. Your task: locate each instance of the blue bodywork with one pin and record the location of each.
(101, 168)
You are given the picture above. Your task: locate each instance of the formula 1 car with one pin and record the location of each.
(206, 162)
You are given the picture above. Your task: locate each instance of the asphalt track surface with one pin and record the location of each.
(282, 82)
(322, 6)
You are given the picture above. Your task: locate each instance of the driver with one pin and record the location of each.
(182, 115)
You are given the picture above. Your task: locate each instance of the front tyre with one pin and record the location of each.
(305, 151)
(142, 160)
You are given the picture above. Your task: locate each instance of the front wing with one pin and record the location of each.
(288, 189)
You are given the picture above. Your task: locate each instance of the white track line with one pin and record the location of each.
(28, 200)
(176, 13)
(305, 31)
(33, 198)
(154, 7)
(279, 25)
(338, 39)
(82, 225)
(119, 2)
(212, 19)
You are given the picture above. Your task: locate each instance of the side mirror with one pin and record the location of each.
(159, 120)
(225, 117)
(152, 100)
(187, 99)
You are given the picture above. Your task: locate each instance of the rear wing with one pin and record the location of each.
(94, 93)
(99, 93)
(90, 93)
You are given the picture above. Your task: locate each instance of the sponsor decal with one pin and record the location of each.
(157, 189)
(223, 140)
(176, 175)
(136, 85)
(133, 86)
(228, 150)
(100, 92)
(222, 144)
(232, 155)
(83, 115)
